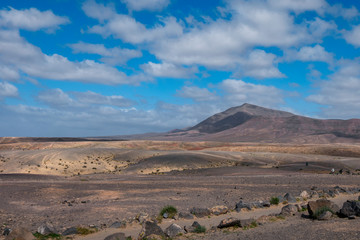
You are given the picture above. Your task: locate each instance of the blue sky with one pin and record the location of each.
(96, 68)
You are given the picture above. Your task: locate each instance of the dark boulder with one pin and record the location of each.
(350, 208)
(200, 212)
(151, 228)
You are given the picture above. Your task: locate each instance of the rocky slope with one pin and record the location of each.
(250, 123)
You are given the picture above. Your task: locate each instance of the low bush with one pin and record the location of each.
(274, 201)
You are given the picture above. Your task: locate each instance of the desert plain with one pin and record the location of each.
(96, 183)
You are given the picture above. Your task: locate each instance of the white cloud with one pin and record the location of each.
(8, 73)
(31, 19)
(129, 30)
(197, 94)
(339, 93)
(168, 70)
(112, 56)
(223, 43)
(310, 54)
(298, 6)
(238, 92)
(59, 99)
(8, 90)
(353, 36)
(56, 98)
(338, 10)
(19, 54)
(151, 5)
(98, 11)
(96, 98)
(260, 65)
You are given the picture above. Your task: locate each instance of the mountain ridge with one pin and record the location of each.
(252, 123)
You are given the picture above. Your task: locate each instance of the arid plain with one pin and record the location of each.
(97, 183)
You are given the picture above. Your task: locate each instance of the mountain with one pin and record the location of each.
(251, 123)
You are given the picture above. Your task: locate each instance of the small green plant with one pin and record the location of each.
(200, 229)
(40, 236)
(129, 238)
(170, 210)
(321, 210)
(85, 231)
(253, 224)
(274, 201)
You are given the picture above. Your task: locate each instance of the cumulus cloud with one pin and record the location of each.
(299, 6)
(338, 93)
(310, 54)
(197, 94)
(129, 30)
(23, 56)
(59, 99)
(151, 5)
(260, 65)
(353, 36)
(31, 19)
(8, 73)
(168, 70)
(112, 56)
(8, 90)
(98, 11)
(238, 92)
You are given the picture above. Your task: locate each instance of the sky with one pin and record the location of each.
(82, 68)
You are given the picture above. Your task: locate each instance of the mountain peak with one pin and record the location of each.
(235, 116)
(255, 110)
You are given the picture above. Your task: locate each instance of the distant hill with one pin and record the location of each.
(251, 123)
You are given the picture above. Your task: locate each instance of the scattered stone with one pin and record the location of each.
(351, 217)
(121, 224)
(20, 234)
(350, 208)
(314, 194)
(217, 210)
(314, 206)
(229, 222)
(281, 199)
(200, 212)
(116, 236)
(142, 217)
(242, 205)
(70, 231)
(174, 230)
(185, 215)
(6, 231)
(192, 228)
(149, 229)
(266, 204)
(46, 229)
(165, 215)
(232, 222)
(289, 210)
(325, 215)
(289, 198)
(304, 194)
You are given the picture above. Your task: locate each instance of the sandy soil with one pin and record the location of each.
(184, 175)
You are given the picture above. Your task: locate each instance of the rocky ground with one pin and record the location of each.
(97, 201)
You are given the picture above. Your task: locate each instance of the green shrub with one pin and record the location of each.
(40, 236)
(200, 229)
(274, 201)
(85, 231)
(321, 210)
(170, 210)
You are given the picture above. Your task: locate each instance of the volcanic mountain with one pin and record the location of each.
(251, 123)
